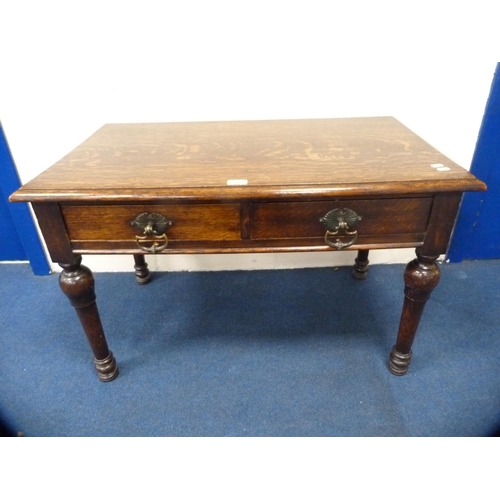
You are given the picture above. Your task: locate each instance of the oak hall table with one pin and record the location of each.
(249, 186)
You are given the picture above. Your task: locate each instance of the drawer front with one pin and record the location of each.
(204, 222)
(379, 218)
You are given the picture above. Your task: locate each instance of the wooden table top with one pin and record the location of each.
(340, 156)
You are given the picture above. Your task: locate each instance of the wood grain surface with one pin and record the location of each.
(212, 222)
(302, 219)
(282, 157)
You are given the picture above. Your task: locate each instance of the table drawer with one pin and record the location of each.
(194, 222)
(379, 218)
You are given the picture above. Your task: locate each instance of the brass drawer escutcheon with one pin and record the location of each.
(154, 227)
(339, 223)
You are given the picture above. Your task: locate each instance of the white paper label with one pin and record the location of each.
(237, 182)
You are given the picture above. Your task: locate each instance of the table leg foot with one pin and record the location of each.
(141, 270)
(107, 370)
(77, 282)
(360, 269)
(398, 362)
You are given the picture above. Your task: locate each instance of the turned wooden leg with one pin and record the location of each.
(77, 283)
(141, 269)
(360, 269)
(421, 277)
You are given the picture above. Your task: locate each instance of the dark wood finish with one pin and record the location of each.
(421, 277)
(245, 221)
(213, 222)
(380, 217)
(77, 282)
(441, 222)
(142, 274)
(245, 246)
(53, 228)
(360, 268)
(250, 187)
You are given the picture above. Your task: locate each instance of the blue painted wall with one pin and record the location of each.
(11, 247)
(477, 233)
(18, 236)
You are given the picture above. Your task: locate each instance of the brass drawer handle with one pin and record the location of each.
(153, 226)
(339, 223)
(156, 246)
